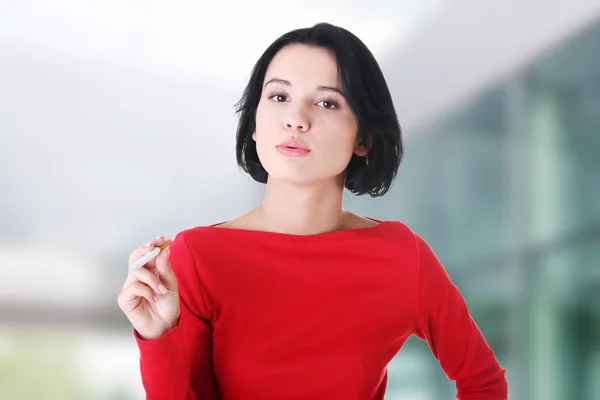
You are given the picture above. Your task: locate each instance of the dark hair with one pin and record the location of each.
(366, 92)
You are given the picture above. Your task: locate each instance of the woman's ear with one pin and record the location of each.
(254, 136)
(362, 148)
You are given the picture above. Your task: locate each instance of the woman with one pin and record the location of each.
(300, 298)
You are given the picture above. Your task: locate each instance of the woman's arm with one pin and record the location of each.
(443, 320)
(178, 365)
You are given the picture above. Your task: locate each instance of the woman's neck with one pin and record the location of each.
(302, 210)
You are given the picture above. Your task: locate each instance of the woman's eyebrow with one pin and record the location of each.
(330, 89)
(321, 88)
(277, 80)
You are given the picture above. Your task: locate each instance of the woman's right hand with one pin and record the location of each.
(150, 297)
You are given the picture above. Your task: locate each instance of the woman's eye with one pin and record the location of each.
(328, 104)
(279, 98)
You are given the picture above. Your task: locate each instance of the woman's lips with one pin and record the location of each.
(293, 148)
(292, 151)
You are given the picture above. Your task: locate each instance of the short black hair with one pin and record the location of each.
(366, 92)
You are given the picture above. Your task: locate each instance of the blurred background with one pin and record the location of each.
(117, 125)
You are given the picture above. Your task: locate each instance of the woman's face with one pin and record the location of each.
(305, 130)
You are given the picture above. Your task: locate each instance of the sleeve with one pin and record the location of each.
(445, 323)
(178, 365)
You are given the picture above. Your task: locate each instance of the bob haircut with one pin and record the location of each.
(367, 94)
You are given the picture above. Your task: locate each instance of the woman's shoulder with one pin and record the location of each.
(200, 233)
(396, 233)
(393, 227)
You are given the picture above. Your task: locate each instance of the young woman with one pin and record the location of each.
(300, 298)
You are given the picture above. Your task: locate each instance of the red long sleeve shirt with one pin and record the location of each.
(274, 316)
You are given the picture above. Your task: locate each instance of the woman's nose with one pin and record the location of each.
(298, 121)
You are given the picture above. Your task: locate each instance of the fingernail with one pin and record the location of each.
(147, 244)
(162, 288)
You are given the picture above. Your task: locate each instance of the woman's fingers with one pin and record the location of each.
(165, 272)
(133, 292)
(145, 276)
(146, 248)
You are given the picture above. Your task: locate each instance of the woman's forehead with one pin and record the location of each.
(301, 64)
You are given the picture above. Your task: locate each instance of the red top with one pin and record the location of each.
(270, 316)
